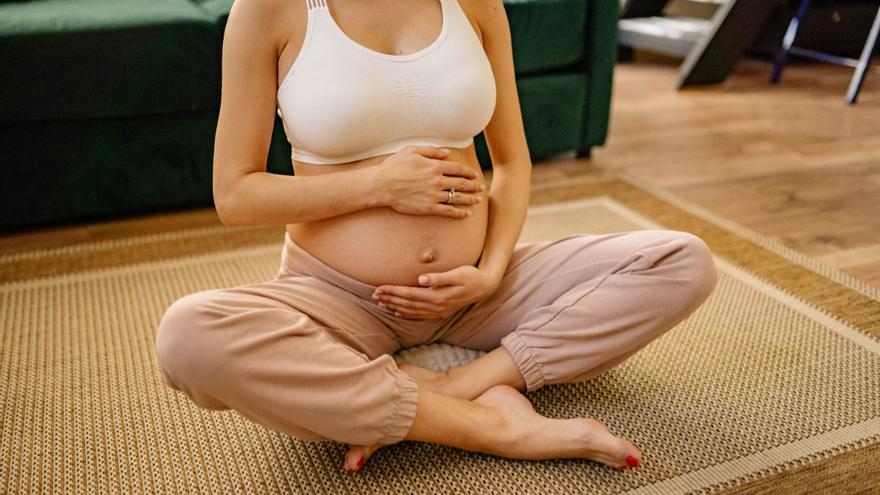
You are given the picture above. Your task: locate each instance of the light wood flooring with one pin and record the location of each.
(793, 162)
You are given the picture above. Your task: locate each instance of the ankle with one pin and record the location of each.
(455, 382)
(436, 381)
(501, 436)
(441, 380)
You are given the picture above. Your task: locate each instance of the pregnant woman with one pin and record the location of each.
(393, 240)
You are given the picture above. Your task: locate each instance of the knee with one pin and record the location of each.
(176, 331)
(182, 349)
(697, 267)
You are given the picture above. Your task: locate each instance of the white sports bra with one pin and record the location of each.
(344, 101)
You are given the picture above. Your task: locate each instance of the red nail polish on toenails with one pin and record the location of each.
(632, 461)
(360, 463)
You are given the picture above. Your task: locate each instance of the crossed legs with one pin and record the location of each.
(566, 310)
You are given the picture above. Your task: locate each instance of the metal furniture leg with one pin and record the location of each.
(864, 62)
(788, 41)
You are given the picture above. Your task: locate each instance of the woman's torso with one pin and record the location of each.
(380, 245)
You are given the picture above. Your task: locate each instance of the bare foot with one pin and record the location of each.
(538, 437)
(534, 436)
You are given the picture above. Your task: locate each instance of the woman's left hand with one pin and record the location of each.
(440, 294)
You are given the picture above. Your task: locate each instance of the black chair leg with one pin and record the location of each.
(864, 62)
(788, 41)
(584, 153)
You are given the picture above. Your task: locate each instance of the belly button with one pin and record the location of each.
(428, 256)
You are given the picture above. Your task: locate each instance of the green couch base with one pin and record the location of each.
(95, 169)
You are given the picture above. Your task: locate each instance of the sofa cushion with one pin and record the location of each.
(75, 59)
(217, 9)
(546, 34)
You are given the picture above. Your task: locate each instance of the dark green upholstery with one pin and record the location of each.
(109, 107)
(85, 59)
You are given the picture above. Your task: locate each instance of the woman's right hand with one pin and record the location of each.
(415, 179)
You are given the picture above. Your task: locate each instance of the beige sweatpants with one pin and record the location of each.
(308, 353)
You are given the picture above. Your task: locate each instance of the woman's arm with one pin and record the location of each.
(244, 193)
(411, 180)
(262, 198)
(506, 140)
(508, 203)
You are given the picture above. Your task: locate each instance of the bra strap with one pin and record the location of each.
(317, 4)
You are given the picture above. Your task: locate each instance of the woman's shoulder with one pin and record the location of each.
(282, 20)
(480, 12)
(278, 17)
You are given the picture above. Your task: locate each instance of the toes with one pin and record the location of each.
(357, 455)
(351, 457)
(616, 451)
(631, 456)
(355, 458)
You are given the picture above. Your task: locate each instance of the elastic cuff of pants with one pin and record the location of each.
(406, 402)
(525, 361)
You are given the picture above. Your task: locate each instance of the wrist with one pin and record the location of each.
(492, 278)
(374, 190)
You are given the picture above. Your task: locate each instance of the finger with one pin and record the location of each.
(406, 313)
(461, 185)
(439, 279)
(415, 317)
(445, 210)
(456, 169)
(441, 196)
(409, 304)
(468, 185)
(410, 293)
(460, 198)
(435, 152)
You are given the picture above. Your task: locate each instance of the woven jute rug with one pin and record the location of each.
(773, 385)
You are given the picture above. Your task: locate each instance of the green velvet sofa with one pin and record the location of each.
(108, 108)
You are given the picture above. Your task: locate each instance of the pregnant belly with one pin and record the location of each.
(382, 246)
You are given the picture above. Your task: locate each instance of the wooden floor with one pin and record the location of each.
(793, 162)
